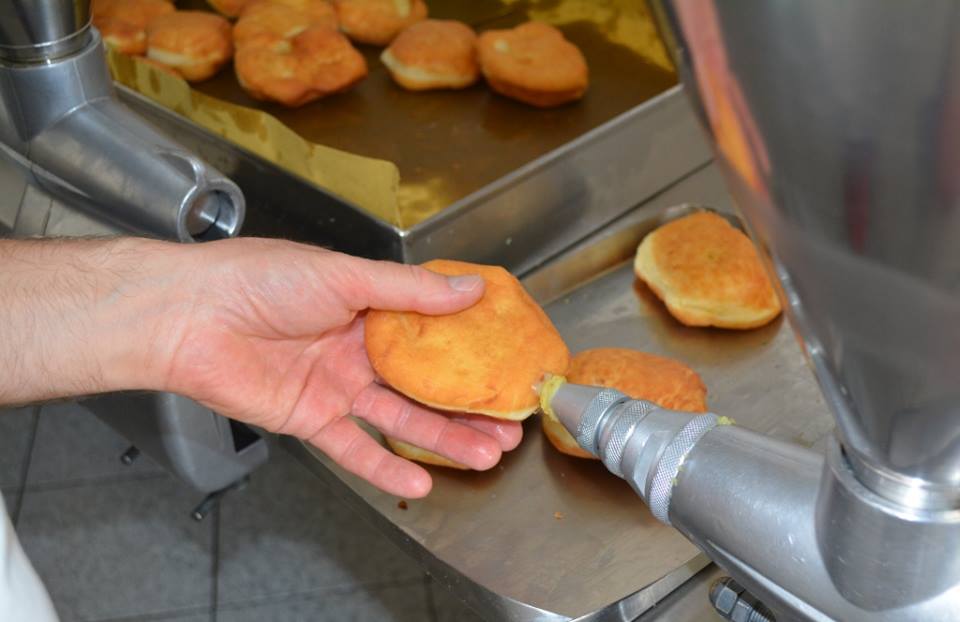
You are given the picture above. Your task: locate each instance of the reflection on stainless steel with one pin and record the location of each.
(60, 122)
(493, 536)
(38, 30)
(838, 130)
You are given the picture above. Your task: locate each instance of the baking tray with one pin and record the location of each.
(449, 144)
(514, 185)
(547, 537)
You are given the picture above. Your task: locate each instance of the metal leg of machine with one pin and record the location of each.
(92, 167)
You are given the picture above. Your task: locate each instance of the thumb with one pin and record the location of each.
(398, 287)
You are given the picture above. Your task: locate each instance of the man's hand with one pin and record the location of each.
(267, 332)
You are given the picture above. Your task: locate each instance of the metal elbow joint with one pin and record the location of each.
(61, 123)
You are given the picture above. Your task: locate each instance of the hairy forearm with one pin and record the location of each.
(85, 316)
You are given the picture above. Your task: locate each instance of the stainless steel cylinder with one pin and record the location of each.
(838, 124)
(33, 31)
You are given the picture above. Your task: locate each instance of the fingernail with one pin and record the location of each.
(465, 283)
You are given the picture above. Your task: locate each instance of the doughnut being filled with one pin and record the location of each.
(657, 379)
(486, 359)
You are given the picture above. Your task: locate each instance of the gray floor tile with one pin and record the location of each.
(16, 426)
(74, 446)
(285, 534)
(119, 549)
(397, 603)
(448, 607)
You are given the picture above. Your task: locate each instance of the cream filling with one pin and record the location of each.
(548, 389)
(116, 41)
(422, 76)
(173, 59)
(293, 32)
(402, 7)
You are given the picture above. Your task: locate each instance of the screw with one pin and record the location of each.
(130, 456)
(735, 603)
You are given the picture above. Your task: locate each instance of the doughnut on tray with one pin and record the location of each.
(481, 177)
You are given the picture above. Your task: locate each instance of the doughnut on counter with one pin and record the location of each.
(296, 51)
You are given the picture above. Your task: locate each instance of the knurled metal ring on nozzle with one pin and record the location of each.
(661, 488)
(629, 415)
(593, 415)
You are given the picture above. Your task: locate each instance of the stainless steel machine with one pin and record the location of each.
(93, 167)
(837, 125)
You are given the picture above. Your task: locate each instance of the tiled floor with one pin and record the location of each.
(116, 543)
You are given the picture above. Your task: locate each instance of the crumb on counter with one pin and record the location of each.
(558, 515)
(402, 504)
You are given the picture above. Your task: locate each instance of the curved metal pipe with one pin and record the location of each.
(61, 122)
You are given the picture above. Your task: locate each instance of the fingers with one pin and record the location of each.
(400, 418)
(398, 287)
(357, 452)
(507, 433)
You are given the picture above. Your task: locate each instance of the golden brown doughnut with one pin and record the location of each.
(268, 22)
(486, 359)
(377, 22)
(229, 8)
(318, 12)
(433, 54)
(533, 63)
(660, 380)
(123, 23)
(708, 273)
(316, 62)
(194, 43)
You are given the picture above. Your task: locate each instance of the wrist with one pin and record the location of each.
(141, 309)
(87, 316)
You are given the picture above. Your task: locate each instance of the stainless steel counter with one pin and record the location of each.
(547, 537)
